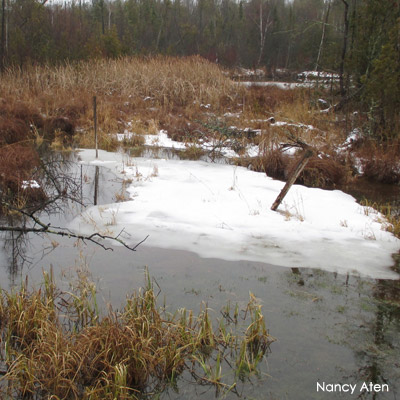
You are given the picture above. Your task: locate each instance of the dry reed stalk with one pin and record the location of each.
(168, 80)
(55, 349)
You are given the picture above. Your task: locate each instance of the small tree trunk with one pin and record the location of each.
(292, 178)
(263, 33)
(3, 35)
(321, 45)
(344, 48)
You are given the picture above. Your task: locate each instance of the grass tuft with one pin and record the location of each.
(57, 345)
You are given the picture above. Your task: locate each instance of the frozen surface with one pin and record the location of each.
(223, 211)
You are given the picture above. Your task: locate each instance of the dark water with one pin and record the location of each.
(330, 328)
(378, 193)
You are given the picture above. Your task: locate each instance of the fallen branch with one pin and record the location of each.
(307, 154)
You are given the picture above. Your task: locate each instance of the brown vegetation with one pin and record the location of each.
(57, 345)
(323, 172)
(17, 161)
(379, 161)
(183, 96)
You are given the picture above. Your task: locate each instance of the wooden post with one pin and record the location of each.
(292, 178)
(95, 124)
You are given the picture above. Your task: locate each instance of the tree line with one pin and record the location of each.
(358, 39)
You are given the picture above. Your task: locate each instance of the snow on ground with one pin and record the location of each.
(223, 211)
(280, 85)
(312, 75)
(30, 184)
(162, 140)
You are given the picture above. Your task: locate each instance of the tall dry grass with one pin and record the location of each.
(166, 80)
(137, 90)
(157, 91)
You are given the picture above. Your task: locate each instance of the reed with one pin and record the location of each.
(165, 81)
(386, 214)
(56, 344)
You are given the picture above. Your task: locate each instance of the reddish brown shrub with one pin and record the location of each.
(380, 161)
(16, 165)
(180, 129)
(13, 130)
(21, 111)
(58, 124)
(268, 98)
(323, 172)
(274, 163)
(383, 169)
(27, 114)
(74, 110)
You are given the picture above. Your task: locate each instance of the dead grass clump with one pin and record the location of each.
(16, 165)
(180, 129)
(389, 218)
(29, 114)
(13, 131)
(273, 162)
(192, 152)
(58, 124)
(52, 349)
(74, 109)
(379, 162)
(133, 141)
(268, 99)
(323, 172)
(17, 121)
(105, 141)
(382, 169)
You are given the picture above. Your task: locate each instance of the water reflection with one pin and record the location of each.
(15, 249)
(363, 315)
(96, 185)
(88, 186)
(379, 361)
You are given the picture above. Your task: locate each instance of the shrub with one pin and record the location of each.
(323, 172)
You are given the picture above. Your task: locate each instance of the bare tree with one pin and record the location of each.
(263, 26)
(344, 47)
(321, 45)
(3, 35)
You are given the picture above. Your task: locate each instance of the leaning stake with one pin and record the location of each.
(95, 124)
(292, 178)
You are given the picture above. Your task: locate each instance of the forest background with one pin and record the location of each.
(359, 39)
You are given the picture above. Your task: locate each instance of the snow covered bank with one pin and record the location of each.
(224, 212)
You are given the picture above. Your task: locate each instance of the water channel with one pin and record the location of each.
(329, 328)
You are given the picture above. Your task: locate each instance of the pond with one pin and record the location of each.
(329, 328)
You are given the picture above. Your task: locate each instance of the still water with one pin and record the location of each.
(329, 328)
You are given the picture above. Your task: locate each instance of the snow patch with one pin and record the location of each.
(223, 211)
(32, 184)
